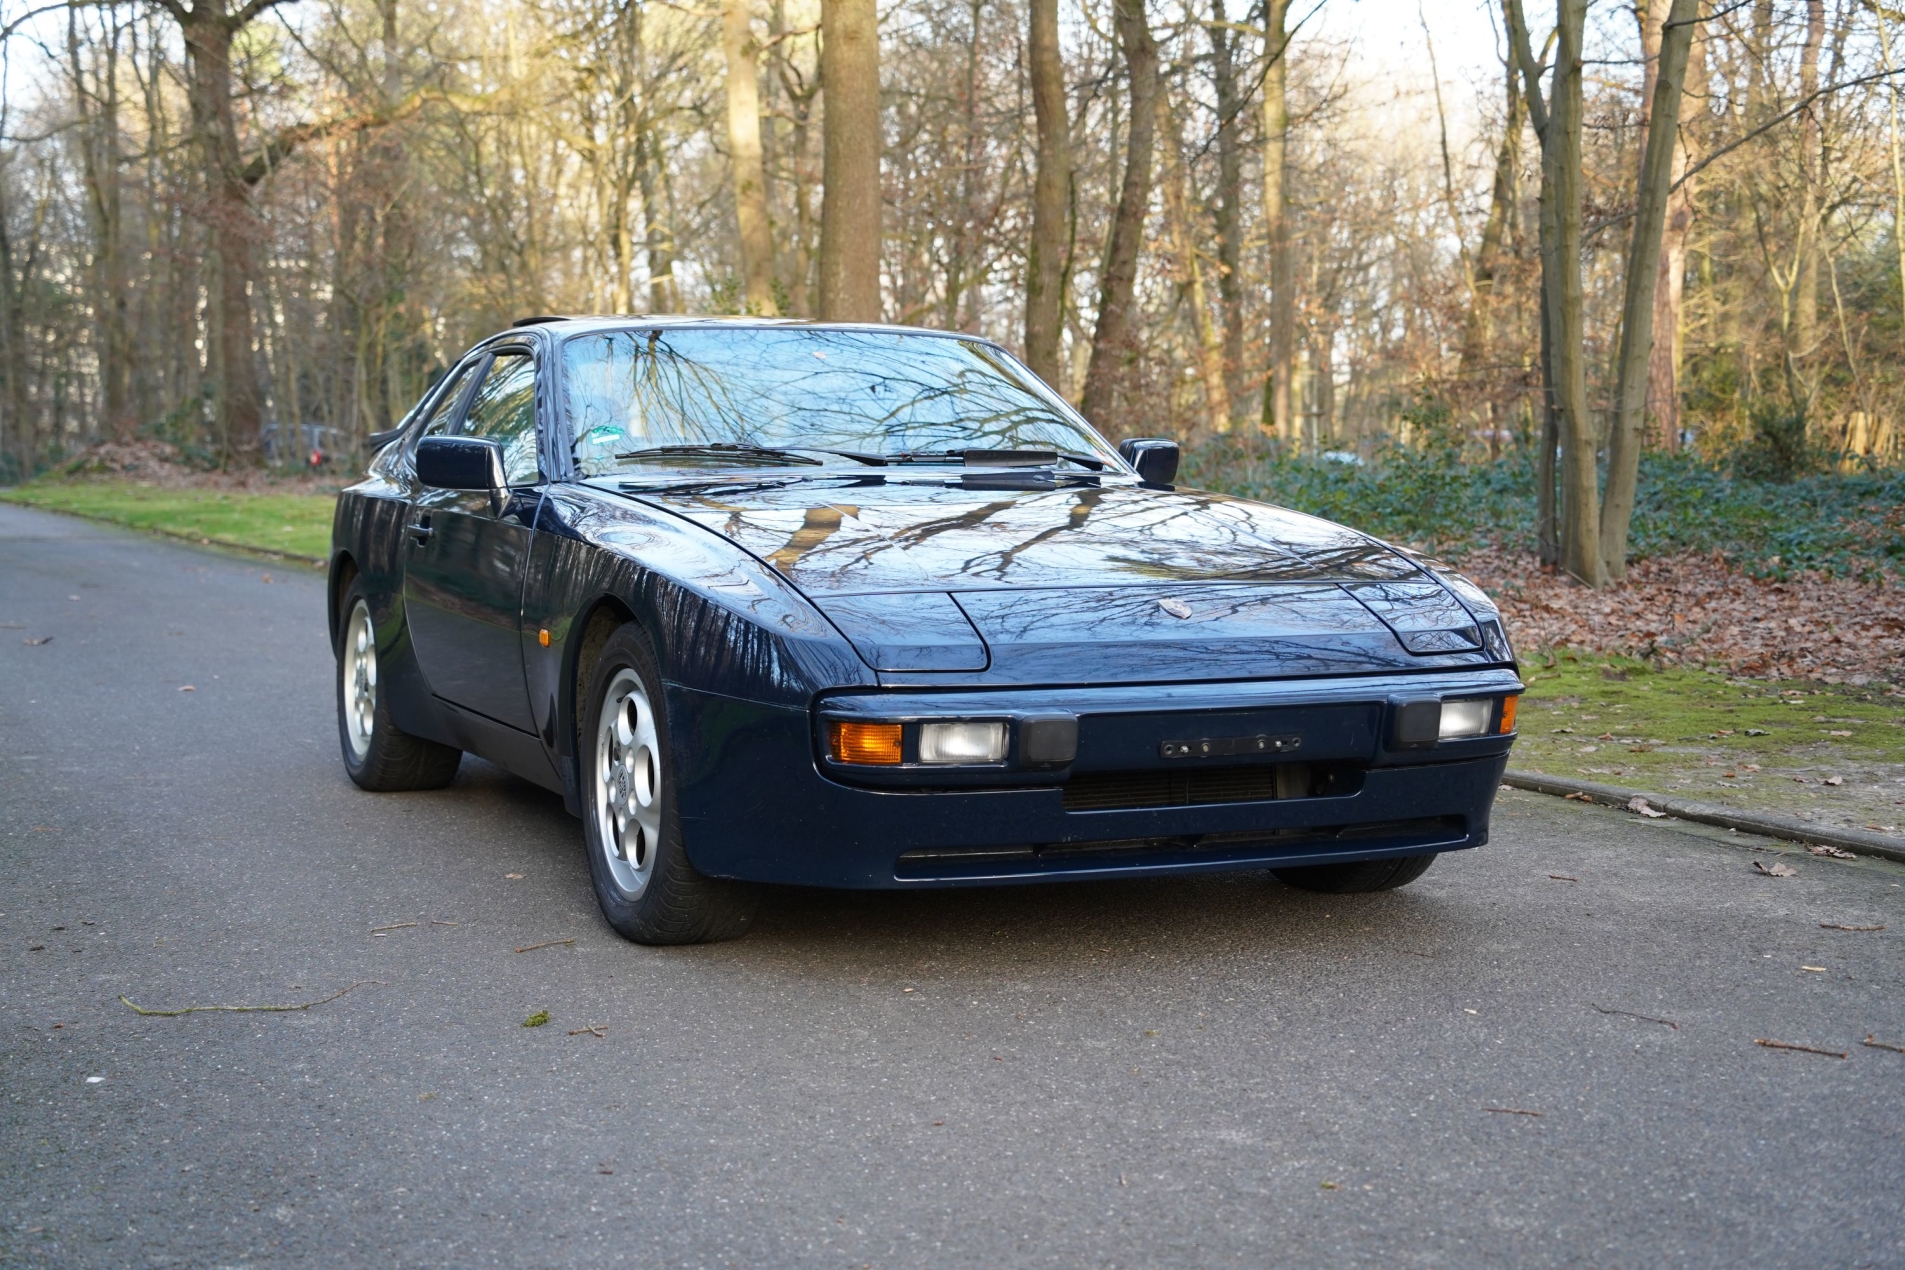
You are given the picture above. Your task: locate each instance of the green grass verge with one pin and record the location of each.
(1714, 737)
(299, 524)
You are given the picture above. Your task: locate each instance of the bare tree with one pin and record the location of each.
(209, 27)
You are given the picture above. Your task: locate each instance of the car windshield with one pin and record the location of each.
(637, 399)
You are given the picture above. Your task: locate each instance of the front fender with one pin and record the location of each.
(720, 621)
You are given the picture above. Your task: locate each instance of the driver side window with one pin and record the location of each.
(445, 410)
(504, 409)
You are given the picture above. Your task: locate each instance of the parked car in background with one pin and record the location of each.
(862, 606)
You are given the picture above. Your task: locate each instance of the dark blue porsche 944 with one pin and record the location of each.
(858, 606)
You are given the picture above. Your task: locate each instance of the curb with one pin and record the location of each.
(1769, 824)
(195, 540)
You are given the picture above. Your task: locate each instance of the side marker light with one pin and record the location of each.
(871, 743)
(1508, 714)
(542, 637)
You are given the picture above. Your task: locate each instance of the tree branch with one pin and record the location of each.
(281, 147)
(1697, 168)
(251, 10)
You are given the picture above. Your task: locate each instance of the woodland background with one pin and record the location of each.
(223, 219)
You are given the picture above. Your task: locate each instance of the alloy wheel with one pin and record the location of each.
(358, 665)
(626, 779)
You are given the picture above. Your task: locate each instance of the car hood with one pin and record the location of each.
(862, 536)
(1085, 583)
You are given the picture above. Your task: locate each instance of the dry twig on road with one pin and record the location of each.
(243, 1009)
(1803, 1049)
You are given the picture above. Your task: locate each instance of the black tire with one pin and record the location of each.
(648, 890)
(1357, 877)
(379, 756)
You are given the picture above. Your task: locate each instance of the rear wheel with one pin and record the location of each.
(378, 754)
(646, 887)
(1357, 876)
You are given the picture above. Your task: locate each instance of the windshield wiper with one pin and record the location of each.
(978, 457)
(717, 450)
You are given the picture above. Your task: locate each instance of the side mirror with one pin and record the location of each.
(474, 463)
(1154, 457)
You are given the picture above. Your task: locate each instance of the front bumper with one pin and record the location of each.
(757, 804)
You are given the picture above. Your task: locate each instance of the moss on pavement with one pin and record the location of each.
(1835, 754)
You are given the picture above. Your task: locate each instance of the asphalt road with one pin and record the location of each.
(1207, 1072)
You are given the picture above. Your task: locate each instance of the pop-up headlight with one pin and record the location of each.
(962, 742)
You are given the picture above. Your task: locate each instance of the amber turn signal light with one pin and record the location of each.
(1508, 714)
(864, 742)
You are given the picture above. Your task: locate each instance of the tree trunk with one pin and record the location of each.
(1547, 524)
(850, 150)
(1478, 333)
(1643, 275)
(1177, 205)
(1898, 161)
(1580, 495)
(1277, 413)
(657, 229)
(99, 151)
(233, 228)
(1804, 304)
(1663, 369)
(1112, 355)
(1046, 254)
(1229, 209)
(744, 150)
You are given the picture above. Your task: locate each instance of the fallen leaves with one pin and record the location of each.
(187, 688)
(1695, 609)
(1803, 1049)
(35, 643)
(514, 877)
(1833, 780)
(1836, 853)
(537, 1019)
(1578, 797)
(1775, 870)
(1639, 804)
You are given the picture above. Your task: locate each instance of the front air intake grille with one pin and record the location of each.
(1430, 833)
(1188, 787)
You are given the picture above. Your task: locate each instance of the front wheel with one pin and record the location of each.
(378, 754)
(1357, 877)
(648, 890)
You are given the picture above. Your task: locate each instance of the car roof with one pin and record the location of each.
(574, 324)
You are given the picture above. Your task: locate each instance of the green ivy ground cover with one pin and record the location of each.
(1848, 525)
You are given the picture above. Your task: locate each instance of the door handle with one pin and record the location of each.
(421, 531)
